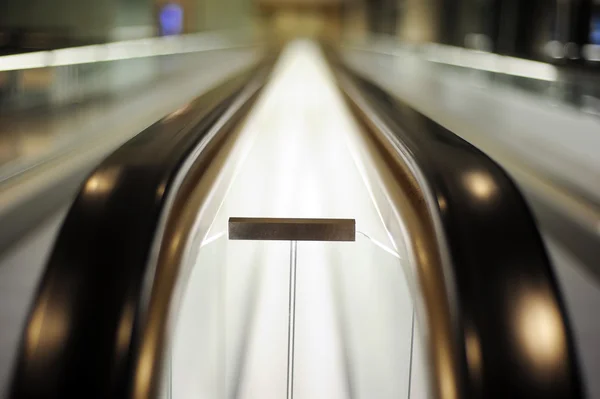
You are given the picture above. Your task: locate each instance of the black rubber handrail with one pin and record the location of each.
(501, 284)
(80, 337)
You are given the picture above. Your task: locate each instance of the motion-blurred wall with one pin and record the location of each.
(61, 23)
(77, 20)
(286, 19)
(413, 21)
(419, 20)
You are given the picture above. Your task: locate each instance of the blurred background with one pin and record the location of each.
(557, 31)
(565, 33)
(539, 29)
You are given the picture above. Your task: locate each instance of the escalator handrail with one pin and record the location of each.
(487, 296)
(83, 335)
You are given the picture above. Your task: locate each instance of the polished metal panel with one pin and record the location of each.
(292, 229)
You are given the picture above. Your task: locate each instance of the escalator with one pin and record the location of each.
(150, 293)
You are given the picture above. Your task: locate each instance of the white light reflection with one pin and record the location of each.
(481, 185)
(101, 182)
(442, 203)
(380, 245)
(176, 113)
(212, 238)
(540, 332)
(25, 61)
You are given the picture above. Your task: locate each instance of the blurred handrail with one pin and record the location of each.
(128, 49)
(486, 294)
(91, 318)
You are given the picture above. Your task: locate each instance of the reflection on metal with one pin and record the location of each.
(213, 238)
(541, 334)
(291, 229)
(179, 111)
(47, 331)
(380, 245)
(125, 329)
(474, 356)
(442, 203)
(291, 319)
(160, 191)
(101, 182)
(480, 185)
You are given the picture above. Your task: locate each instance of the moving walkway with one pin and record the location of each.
(150, 293)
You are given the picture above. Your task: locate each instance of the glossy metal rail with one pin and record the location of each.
(98, 323)
(485, 291)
